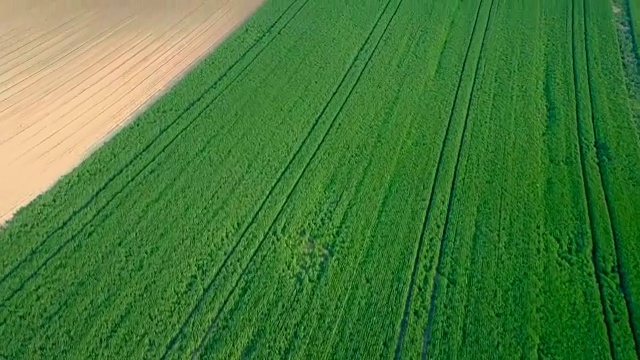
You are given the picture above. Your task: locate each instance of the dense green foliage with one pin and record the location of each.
(627, 17)
(354, 180)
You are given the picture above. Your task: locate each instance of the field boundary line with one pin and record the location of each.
(624, 286)
(92, 64)
(129, 163)
(438, 269)
(29, 126)
(199, 347)
(439, 165)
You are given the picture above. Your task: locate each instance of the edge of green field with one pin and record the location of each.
(143, 128)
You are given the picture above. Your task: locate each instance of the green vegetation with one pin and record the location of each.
(627, 16)
(354, 180)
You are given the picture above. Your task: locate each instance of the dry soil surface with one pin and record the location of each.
(72, 72)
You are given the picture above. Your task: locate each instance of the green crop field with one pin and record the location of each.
(407, 179)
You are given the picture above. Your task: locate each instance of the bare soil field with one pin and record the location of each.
(74, 72)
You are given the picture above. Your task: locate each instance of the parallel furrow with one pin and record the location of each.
(407, 304)
(51, 49)
(132, 107)
(93, 62)
(439, 263)
(360, 257)
(624, 283)
(587, 192)
(122, 95)
(56, 85)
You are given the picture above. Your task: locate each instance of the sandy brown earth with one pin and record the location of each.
(74, 71)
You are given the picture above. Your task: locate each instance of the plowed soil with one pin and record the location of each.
(74, 72)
